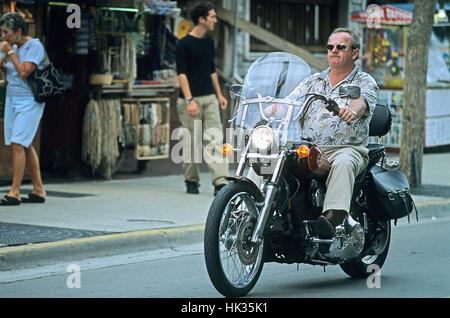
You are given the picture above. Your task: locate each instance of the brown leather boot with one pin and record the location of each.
(325, 226)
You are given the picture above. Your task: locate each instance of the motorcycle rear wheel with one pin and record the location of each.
(233, 263)
(373, 254)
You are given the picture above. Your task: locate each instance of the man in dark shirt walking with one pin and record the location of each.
(200, 97)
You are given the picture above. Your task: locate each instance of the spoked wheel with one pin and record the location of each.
(233, 262)
(374, 253)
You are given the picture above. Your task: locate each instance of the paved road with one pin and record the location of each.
(416, 267)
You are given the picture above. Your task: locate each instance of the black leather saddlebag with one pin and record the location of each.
(389, 194)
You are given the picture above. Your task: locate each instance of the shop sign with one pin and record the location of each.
(385, 14)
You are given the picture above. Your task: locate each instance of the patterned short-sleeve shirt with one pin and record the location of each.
(322, 126)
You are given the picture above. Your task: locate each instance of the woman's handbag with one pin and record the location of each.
(46, 83)
(389, 194)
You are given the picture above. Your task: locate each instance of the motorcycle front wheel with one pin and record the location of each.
(233, 262)
(374, 253)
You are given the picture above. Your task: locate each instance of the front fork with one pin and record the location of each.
(268, 200)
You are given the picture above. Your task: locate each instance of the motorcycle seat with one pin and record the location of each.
(376, 151)
(374, 148)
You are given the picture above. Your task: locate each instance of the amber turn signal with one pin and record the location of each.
(303, 151)
(227, 149)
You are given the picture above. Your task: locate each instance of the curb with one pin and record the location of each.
(443, 203)
(433, 208)
(25, 256)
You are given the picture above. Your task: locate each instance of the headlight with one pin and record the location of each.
(262, 138)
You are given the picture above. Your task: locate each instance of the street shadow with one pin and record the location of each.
(59, 194)
(343, 287)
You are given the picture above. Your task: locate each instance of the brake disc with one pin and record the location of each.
(247, 251)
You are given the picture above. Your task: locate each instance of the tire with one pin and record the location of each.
(373, 254)
(228, 230)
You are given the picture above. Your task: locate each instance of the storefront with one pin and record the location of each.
(118, 66)
(384, 31)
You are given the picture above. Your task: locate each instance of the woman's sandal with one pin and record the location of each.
(33, 198)
(8, 200)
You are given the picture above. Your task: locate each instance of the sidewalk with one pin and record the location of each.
(103, 218)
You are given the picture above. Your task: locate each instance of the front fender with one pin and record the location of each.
(253, 187)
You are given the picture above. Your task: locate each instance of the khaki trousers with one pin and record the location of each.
(206, 139)
(346, 163)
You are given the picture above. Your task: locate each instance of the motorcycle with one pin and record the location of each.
(266, 213)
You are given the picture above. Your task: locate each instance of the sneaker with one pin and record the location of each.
(192, 187)
(218, 187)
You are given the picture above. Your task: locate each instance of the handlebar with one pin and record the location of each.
(330, 104)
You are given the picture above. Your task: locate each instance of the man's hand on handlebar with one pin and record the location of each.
(347, 115)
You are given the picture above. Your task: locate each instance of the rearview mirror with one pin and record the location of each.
(352, 91)
(236, 90)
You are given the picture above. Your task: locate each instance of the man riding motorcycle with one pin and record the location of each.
(342, 138)
(303, 191)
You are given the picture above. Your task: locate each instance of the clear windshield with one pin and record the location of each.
(262, 99)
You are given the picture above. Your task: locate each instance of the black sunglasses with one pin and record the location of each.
(340, 47)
